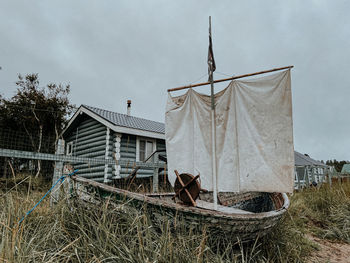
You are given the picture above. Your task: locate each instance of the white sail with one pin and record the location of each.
(254, 135)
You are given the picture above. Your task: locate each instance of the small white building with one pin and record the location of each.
(308, 171)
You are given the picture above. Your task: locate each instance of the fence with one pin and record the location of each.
(312, 176)
(24, 141)
(28, 155)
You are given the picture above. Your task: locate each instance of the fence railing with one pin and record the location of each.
(74, 159)
(18, 159)
(310, 178)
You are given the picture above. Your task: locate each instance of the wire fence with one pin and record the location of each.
(26, 141)
(20, 140)
(29, 154)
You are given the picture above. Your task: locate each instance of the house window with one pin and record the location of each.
(69, 149)
(145, 148)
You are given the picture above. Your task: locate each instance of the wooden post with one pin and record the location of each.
(55, 194)
(329, 177)
(298, 179)
(323, 174)
(155, 187)
(306, 176)
(313, 178)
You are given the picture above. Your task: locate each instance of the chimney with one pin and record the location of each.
(128, 107)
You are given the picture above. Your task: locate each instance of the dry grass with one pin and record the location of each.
(324, 212)
(105, 233)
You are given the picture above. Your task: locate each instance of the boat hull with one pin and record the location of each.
(160, 208)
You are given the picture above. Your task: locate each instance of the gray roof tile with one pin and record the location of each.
(303, 160)
(124, 120)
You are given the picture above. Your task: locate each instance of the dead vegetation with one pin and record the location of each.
(80, 233)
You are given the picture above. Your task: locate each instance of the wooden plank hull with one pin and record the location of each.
(160, 208)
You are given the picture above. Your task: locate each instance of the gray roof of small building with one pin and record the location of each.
(125, 120)
(346, 169)
(304, 160)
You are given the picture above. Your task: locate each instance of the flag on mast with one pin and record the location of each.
(211, 60)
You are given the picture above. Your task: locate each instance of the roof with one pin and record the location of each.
(121, 123)
(125, 120)
(304, 160)
(346, 169)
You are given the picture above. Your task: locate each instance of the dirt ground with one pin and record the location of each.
(331, 252)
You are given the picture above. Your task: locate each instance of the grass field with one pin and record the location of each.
(76, 233)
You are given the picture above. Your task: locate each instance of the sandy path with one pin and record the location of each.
(331, 252)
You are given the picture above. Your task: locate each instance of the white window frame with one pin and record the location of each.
(138, 139)
(69, 149)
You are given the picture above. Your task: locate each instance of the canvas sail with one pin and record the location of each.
(254, 135)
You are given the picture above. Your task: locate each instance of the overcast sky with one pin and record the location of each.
(111, 51)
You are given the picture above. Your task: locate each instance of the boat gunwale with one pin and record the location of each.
(184, 208)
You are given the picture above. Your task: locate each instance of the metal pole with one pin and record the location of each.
(213, 134)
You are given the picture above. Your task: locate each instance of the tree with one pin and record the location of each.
(40, 112)
(338, 165)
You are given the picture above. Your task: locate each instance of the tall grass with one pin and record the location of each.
(325, 212)
(117, 233)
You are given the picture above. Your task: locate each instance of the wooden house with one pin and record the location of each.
(98, 133)
(308, 170)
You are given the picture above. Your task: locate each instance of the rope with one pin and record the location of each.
(61, 179)
(199, 78)
(223, 74)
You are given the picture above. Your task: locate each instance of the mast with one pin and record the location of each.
(211, 68)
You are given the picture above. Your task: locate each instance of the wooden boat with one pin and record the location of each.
(244, 216)
(245, 157)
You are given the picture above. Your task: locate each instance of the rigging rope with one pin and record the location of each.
(61, 179)
(206, 74)
(223, 74)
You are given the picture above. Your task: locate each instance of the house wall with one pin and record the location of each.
(91, 139)
(128, 152)
(309, 174)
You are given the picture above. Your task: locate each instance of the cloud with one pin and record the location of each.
(111, 51)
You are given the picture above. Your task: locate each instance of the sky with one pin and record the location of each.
(112, 51)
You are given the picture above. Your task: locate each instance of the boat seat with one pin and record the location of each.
(221, 208)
